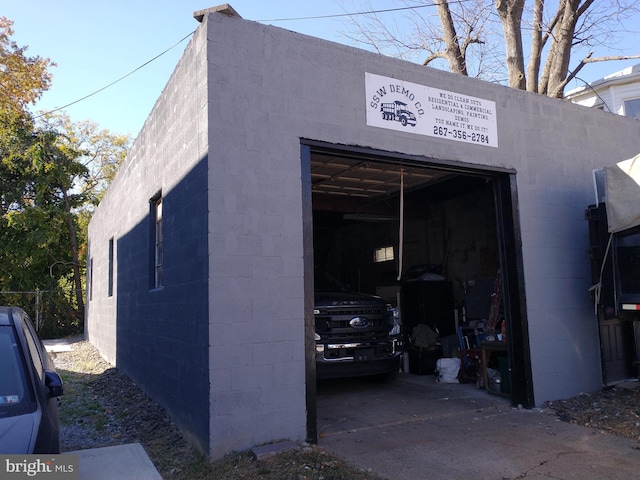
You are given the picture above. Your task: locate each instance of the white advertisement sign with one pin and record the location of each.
(408, 107)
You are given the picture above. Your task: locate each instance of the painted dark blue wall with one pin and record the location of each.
(162, 333)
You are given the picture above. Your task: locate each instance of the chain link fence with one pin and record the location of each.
(53, 312)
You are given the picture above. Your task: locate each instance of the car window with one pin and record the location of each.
(14, 391)
(32, 344)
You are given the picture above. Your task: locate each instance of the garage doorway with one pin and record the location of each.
(387, 223)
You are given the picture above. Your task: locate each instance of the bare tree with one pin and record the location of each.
(449, 37)
(510, 13)
(486, 38)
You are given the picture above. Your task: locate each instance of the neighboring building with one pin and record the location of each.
(270, 151)
(616, 93)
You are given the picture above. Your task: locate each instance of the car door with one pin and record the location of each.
(48, 439)
(17, 400)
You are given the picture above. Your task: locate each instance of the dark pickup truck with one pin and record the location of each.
(356, 334)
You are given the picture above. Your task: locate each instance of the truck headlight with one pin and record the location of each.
(395, 316)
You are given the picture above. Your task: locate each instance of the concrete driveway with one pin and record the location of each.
(416, 428)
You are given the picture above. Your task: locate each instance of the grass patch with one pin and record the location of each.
(78, 405)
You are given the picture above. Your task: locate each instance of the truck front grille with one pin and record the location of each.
(335, 323)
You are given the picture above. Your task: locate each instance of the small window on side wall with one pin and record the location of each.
(90, 275)
(110, 279)
(383, 254)
(157, 238)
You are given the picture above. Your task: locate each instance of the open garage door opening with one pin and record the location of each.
(437, 242)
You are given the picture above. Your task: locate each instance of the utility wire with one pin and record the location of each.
(319, 17)
(595, 93)
(338, 15)
(118, 80)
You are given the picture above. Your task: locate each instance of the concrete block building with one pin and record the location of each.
(269, 153)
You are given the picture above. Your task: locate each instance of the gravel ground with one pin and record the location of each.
(613, 410)
(102, 407)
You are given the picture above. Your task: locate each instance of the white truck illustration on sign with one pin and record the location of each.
(398, 111)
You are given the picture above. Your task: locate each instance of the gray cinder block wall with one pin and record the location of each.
(159, 336)
(241, 100)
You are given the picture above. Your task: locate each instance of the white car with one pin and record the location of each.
(29, 388)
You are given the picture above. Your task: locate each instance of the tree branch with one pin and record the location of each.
(434, 56)
(610, 58)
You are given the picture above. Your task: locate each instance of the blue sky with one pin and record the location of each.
(95, 43)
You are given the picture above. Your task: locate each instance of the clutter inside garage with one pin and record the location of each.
(424, 238)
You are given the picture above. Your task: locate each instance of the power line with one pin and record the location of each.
(588, 85)
(319, 17)
(355, 14)
(118, 80)
(339, 15)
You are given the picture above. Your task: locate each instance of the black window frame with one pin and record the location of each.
(110, 274)
(156, 242)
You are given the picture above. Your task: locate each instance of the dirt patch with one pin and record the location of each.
(103, 407)
(613, 410)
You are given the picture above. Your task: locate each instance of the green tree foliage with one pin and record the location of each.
(43, 235)
(52, 174)
(22, 79)
(75, 163)
(38, 230)
(99, 151)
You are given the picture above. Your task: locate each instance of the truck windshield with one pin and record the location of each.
(325, 282)
(628, 259)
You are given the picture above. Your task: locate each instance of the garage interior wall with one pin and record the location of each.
(247, 95)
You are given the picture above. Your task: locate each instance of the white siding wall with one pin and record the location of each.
(611, 94)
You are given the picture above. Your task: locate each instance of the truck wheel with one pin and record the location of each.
(403, 121)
